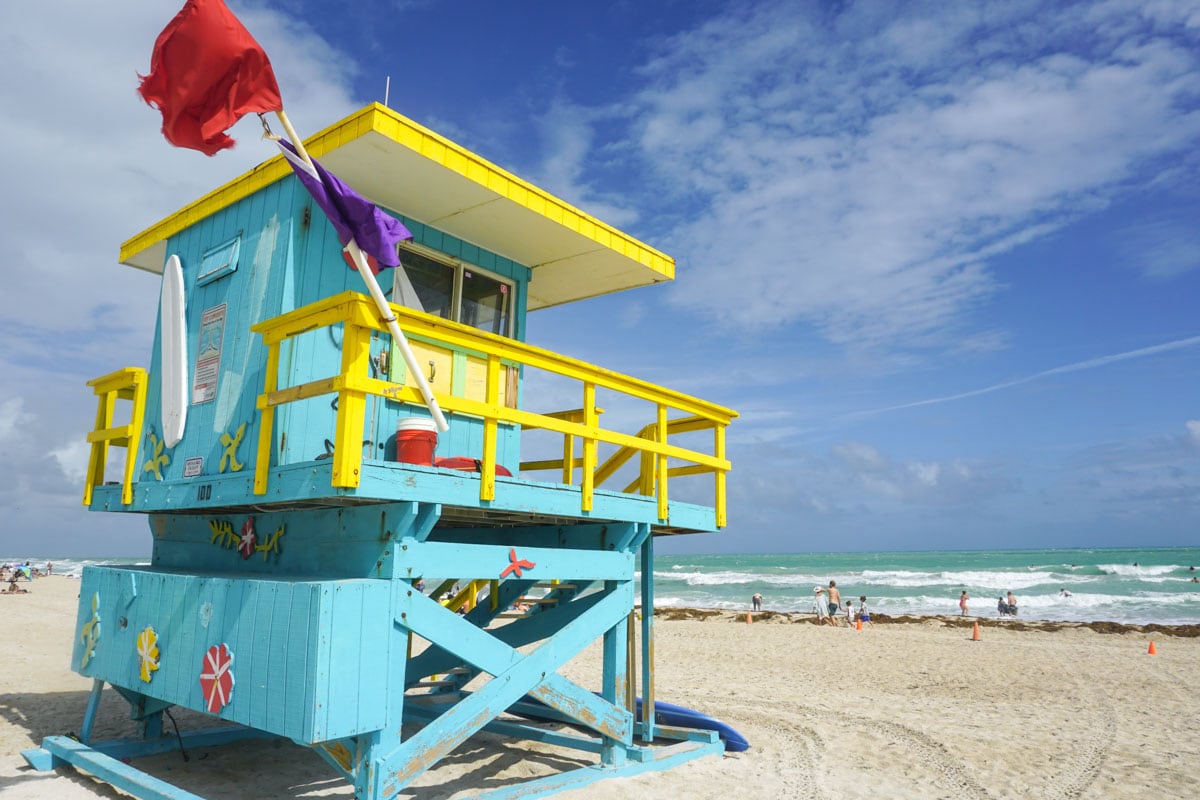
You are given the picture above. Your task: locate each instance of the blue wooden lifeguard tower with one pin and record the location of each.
(304, 582)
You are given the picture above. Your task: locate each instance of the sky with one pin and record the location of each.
(942, 258)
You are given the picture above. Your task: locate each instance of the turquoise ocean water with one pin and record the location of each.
(1132, 586)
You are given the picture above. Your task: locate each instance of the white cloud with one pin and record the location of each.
(925, 473)
(1193, 429)
(860, 456)
(72, 459)
(1162, 248)
(1078, 366)
(11, 416)
(861, 178)
(88, 158)
(86, 167)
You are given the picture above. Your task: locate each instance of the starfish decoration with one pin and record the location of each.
(248, 539)
(516, 565)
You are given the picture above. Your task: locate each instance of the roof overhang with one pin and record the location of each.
(408, 169)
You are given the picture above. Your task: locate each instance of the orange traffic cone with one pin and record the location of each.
(749, 618)
(975, 634)
(1152, 651)
(858, 625)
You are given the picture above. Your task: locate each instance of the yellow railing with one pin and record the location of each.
(124, 384)
(353, 384)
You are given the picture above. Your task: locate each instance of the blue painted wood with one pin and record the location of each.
(330, 624)
(113, 771)
(584, 536)
(516, 675)
(647, 725)
(403, 483)
(587, 744)
(89, 715)
(348, 542)
(491, 561)
(613, 687)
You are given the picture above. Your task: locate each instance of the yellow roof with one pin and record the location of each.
(409, 169)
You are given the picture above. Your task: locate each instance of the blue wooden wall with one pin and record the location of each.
(297, 647)
(289, 257)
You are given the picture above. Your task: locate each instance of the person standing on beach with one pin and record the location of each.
(962, 602)
(821, 606)
(834, 600)
(1012, 603)
(756, 602)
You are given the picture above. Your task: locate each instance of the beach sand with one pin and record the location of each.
(911, 710)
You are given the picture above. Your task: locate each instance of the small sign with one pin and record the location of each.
(208, 354)
(193, 467)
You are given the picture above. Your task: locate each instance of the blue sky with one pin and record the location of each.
(943, 258)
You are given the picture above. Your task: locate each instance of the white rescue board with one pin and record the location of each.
(173, 327)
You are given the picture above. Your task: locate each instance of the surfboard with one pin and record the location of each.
(173, 353)
(664, 714)
(680, 717)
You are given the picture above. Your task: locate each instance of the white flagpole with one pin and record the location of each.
(385, 313)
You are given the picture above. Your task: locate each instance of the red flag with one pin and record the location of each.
(206, 73)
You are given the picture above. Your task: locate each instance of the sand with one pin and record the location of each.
(913, 710)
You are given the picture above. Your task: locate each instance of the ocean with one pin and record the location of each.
(1130, 586)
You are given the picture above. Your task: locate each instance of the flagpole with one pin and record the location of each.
(385, 312)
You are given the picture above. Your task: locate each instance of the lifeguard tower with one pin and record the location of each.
(308, 583)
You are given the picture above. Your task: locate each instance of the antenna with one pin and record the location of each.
(387, 89)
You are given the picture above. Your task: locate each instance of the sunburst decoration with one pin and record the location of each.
(147, 650)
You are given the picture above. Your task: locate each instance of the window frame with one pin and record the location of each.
(459, 266)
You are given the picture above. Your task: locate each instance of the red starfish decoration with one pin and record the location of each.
(248, 539)
(515, 566)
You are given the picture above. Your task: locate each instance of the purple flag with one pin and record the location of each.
(353, 216)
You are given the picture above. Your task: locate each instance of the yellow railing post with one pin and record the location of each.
(487, 478)
(266, 420)
(590, 420)
(568, 465)
(646, 474)
(139, 381)
(660, 477)
(352, 404)
(719, 475)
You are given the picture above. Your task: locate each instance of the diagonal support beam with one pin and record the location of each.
(514, 675)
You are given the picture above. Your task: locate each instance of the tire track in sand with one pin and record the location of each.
(929, 752)
(799, 744)
(1087, 761)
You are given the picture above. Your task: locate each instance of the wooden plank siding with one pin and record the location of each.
(302, 660)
